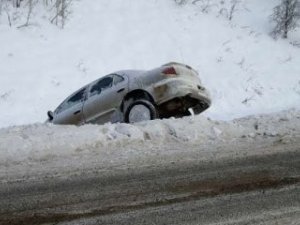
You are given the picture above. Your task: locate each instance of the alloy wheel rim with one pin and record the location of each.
(139, 113)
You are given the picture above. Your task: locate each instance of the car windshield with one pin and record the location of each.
(71, 101)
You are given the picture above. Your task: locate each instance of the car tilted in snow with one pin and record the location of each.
(172, 90)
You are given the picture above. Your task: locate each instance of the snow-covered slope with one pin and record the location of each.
(246, 70)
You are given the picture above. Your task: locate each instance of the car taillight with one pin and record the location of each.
(170, 71)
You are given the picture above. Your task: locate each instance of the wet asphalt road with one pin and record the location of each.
(249, 189)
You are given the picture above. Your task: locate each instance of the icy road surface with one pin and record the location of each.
(187, 171)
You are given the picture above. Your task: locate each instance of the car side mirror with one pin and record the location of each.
(50, 115)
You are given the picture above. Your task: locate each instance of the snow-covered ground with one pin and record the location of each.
(246, 70)
(35, 150)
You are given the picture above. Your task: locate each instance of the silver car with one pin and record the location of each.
(172, 90)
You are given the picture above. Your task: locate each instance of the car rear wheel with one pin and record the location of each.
(140, 110)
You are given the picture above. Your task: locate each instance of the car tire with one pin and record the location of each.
(140, 110)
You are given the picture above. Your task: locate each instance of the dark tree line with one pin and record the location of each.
(286, 17)
(58, 8)
(16, 3)
(286, 14)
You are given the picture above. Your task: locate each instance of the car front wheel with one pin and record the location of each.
(140, 110)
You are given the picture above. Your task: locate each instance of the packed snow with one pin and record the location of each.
(246, 70)
(40, 149)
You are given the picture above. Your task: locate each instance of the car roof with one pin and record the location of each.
(130, 73)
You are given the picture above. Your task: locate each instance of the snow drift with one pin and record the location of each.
(49, 149)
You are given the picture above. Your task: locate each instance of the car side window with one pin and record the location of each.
(101, 85)
(71, 101)
(118, 79)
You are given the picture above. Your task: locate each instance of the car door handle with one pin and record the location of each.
(75, 113)
(122, 89)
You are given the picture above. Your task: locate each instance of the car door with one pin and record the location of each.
(70, 111)
(104, 97)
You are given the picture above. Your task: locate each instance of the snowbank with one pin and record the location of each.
(46, 148)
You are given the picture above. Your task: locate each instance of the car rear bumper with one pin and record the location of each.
(178, 88)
